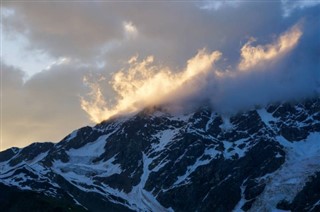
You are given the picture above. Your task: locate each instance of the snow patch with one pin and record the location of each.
(212, 117)
(139, 199)
(110, 168)
(143, 199)
(266, 117)
(302, 160)
(190, 169)
(38, 158)
(92, 149)
(232, 149)
(164, 138)
(226, 125)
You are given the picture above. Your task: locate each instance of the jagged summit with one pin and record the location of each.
(259, 160)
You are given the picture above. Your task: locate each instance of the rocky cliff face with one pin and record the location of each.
(259, 160)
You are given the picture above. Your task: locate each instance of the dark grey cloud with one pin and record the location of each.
(45, 108)
(64, 28)
(172, 31)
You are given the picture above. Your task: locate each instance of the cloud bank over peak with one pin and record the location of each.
(145, 84)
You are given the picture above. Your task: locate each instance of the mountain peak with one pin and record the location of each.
(156, 160)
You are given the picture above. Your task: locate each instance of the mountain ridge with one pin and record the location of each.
(155, 161)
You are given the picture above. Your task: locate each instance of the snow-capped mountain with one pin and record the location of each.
(261, 160)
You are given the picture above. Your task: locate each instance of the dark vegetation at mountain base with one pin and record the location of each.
(16, 200)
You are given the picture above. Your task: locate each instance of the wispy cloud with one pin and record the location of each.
(252, 56)
(289, 6)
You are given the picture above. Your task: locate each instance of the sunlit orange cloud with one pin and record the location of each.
(143, 84)
(254, 56)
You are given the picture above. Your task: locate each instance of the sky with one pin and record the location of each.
(67, 64)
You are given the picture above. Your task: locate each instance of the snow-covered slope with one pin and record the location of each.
(259, 160)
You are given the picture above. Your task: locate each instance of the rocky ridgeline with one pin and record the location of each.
(259, 160)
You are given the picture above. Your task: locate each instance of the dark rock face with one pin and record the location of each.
(30, 152)
(258, 160)
(8, 154)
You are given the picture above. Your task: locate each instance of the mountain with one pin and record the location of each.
(259, 160)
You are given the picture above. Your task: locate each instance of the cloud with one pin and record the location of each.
(45, 108)
(96, 31)
(96, 39)
(227, 91)
(144, 84)
(64, 29)
(290, 6)
(253, 56)
(216, 5)
(130, 30)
